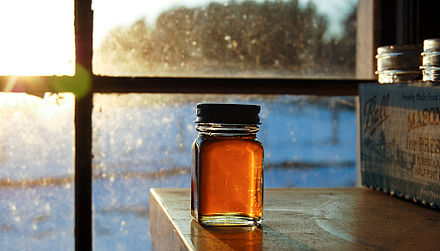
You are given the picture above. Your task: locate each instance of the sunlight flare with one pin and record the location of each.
(37, 41)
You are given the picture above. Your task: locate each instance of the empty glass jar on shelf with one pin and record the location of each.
(398, 63)
(431, 60)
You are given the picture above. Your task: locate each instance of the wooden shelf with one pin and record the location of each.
(301, 219)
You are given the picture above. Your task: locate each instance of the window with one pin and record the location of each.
(37, 132)
(123, 83)
(144, 140)
(141, 141)
(264, 39)
(36, 171)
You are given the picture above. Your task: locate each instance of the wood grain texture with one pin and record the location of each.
(301, 219)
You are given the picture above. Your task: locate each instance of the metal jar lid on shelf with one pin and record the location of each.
(398, 63)
(431, 60)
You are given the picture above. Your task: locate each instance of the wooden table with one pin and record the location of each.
(301, 219)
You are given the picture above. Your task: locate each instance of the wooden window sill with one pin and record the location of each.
(298, 218)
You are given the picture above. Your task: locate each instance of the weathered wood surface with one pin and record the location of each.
(301, 219)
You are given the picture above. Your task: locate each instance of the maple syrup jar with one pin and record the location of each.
(227, 166)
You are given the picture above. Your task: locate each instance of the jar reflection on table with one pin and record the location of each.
(242, 238)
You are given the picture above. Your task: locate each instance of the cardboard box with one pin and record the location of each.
(400, 140)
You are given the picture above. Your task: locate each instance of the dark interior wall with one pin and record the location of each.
(429, 26)
(408, 21)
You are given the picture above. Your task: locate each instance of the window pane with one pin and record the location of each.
(252, 38)
(37, 37)
(36, 172)
(142, 141)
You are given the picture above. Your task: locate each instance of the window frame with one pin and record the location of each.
(104, 84)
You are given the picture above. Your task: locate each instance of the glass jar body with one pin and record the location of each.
(431, 73)
(227, 176)
(396, 76)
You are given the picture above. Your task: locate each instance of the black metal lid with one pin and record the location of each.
(227, 113)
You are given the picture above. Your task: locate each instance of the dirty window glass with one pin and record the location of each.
(36, 172)
(141, 141)
(225, 38)
(37, 37)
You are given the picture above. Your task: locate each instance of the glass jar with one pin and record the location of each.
(227, 166)
(431, 60)
(398, 63)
